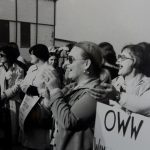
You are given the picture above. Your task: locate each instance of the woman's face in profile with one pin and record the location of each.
(125, 62)
(34, 59)
(75, 65)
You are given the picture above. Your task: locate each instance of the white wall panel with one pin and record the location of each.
(7, 9)
(45, 35)
(27, 10)
(33, 34)
(12, 29)
(46, 12)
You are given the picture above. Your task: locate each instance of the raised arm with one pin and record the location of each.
(75, 116)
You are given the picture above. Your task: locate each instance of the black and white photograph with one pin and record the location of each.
(74, 74)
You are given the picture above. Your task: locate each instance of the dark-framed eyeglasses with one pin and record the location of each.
(123, 57)
(72, 59)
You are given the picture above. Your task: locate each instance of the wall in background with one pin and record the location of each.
(27, 22)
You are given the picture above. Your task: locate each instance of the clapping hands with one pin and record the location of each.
(51, 78)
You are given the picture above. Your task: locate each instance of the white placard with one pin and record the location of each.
(118, 130)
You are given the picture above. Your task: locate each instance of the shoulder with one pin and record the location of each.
(32, 68)
(144, 85)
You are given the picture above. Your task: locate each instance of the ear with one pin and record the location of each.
(134, 62)
(87, 64)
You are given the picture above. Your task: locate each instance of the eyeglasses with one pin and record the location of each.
(71, 59)
(2, 55)
(123, 57)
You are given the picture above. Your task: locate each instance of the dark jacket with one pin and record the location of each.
(74, 113)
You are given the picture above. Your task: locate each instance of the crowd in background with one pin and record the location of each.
(50, 102)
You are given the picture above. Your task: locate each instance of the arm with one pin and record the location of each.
(28, 79)
(10, 92)
(24, 85)
(76, 116)
(137, 104)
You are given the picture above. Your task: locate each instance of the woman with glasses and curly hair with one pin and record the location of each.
(131, 90)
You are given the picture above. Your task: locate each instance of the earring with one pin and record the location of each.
(85, 71)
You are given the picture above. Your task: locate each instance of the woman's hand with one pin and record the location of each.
(51, 79)
(46, 96)
(104, 92)
(98, 93)
(42, 92)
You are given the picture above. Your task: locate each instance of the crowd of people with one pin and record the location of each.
(50, 102)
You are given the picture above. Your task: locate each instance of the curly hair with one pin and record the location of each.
(9, 52)
(40, 51)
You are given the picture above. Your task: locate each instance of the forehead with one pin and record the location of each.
(76, 52)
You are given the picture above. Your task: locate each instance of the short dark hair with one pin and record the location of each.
(9, 52)
(53, 54)
(146, 48)
(40, 51)
(108, 52)
(15, 48)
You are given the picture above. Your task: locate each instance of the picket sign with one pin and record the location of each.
(118, 130)
(26, 106)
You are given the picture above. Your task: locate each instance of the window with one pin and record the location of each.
(25, 35)
(4, 31)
